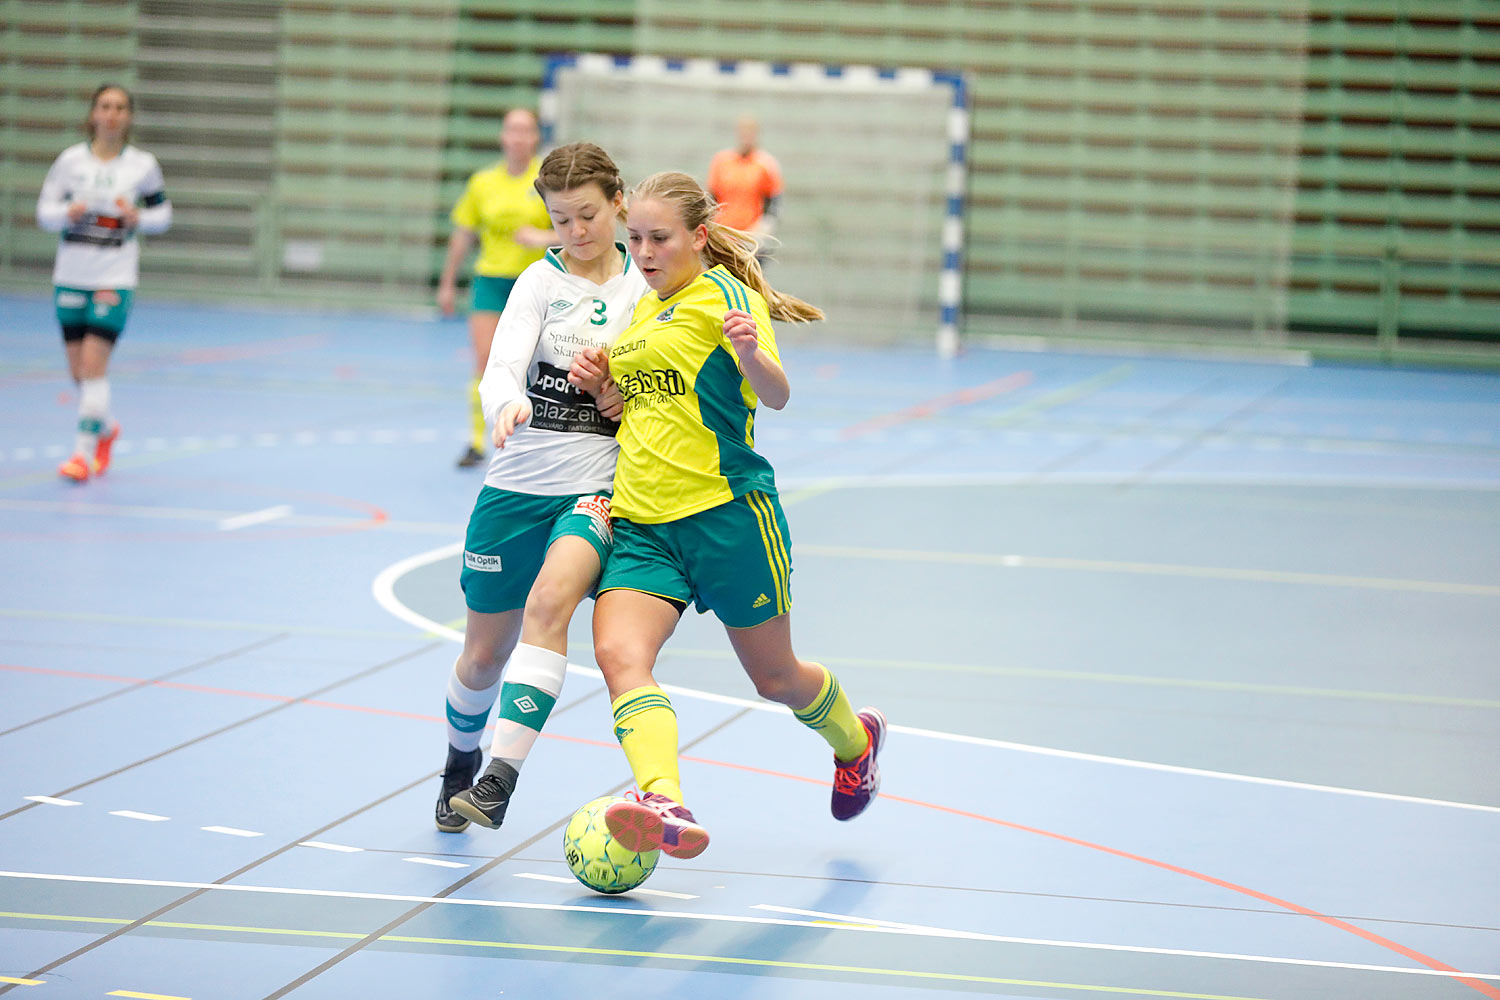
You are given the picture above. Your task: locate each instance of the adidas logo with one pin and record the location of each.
(621, 732)
(525, 704)
(561, 304)
(761, 601)
(666, 314)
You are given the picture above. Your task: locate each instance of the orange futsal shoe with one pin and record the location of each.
(75, 468)
(102, 449)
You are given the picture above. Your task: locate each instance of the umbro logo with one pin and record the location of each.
(525, 704)
(761, 601)
(562, 304)
(666, 314)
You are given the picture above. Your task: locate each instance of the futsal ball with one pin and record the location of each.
(597, 859)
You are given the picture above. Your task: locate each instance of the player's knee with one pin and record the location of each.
(549, 608)
(484, 657)
(776, 685)
(621, 658)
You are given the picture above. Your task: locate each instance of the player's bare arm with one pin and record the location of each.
(765, 376)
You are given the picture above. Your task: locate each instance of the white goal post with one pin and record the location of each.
(874, 161)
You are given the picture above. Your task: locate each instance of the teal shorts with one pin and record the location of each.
(734, 560)
(508, 538)
(79, 311)
(491, 294)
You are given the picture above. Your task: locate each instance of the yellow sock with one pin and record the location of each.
(831, 717)
(476, 410)
(646, 727)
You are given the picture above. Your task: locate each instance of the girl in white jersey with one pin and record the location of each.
(99, 195)
(540, 531)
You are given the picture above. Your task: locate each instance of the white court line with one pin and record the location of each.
(330, 847)
(544, 878)
(132, 814)
(384, 592)
(231, 831)
(664, 893)
(825, 922)
(435, 862)
(254, 517)
(48, 800)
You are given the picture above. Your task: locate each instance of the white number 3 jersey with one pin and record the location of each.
(567, 447)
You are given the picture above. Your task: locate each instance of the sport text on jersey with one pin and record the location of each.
(558, 405)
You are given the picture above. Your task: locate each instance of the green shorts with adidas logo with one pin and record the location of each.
(734, 560)
(508, 538)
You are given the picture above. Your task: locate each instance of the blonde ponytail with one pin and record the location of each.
(732, 248)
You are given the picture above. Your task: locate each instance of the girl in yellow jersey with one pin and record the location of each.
(501, 211)
(696, 515)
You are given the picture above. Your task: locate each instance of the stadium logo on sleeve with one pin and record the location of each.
(666, 316)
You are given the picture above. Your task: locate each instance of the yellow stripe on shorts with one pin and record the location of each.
(776, 554)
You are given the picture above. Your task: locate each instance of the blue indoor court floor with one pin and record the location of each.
(1190, 664)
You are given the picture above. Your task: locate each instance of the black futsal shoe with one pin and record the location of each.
(485, 803)
(470, 458)
(457, 776)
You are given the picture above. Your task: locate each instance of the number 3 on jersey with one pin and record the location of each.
(598, 319)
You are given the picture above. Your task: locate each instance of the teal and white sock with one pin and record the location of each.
(93, 415)
(468, 711)
(533, 680)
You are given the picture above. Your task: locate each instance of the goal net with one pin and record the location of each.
(870, 227)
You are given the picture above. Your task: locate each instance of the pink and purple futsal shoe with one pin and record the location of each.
(652, 821)
(856, 782)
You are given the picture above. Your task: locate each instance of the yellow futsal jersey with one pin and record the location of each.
(495, 204)
(687, 437)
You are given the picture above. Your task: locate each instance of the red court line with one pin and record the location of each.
(1334, 922)
(921, 411)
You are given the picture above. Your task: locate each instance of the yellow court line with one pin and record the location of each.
(1057, 397)
(135, 460)
(21, 982)
(951, 977)
(1102, 677)
(145, 996)
(1157, 569)
(1142, 680)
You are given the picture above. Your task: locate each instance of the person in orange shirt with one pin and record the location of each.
(746, 182)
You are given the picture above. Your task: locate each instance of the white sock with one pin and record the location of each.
(468, 711)
(533, 680)
(93, 415)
